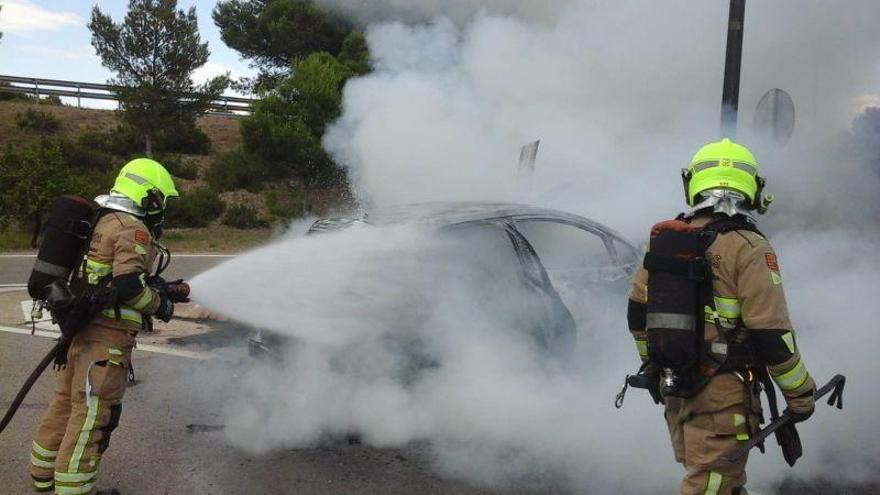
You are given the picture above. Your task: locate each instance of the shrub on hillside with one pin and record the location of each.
(243, 217)
(177, 167)
(287, 205)
(78, 155)
(126, 141)
(33, 179)
(196, 208)
(120, 141)
(236, 170)
(37, 120)
(183, 137)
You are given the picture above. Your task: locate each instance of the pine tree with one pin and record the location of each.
(154, 52)
(275, 34)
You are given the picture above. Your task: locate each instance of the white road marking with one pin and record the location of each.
(164, 349)
(27, 306)
(157, 349)
(38, 333)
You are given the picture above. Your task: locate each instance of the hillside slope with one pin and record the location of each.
(224, 132)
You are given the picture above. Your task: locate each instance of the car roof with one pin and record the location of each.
(440, 214)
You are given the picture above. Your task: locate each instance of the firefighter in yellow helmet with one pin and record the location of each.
(710, 322)
(75, 430)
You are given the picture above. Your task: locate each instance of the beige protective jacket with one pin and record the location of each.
(748, 292)
(122, 246)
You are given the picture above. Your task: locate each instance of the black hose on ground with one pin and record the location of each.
(19, 398)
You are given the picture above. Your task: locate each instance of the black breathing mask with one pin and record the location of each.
(154, 207)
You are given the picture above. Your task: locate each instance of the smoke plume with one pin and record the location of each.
(621, 94)
(461, 11)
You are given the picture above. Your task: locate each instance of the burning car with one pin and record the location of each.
(541, 260)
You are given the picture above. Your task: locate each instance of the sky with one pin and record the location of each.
(49, 39)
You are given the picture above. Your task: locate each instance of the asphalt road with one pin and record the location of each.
(153, 452)
(15, 268)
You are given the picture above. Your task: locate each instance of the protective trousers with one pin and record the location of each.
(75, 430)
(706, 426)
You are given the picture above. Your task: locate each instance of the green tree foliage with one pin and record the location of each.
(243, 217)
(273, 34)
(37, 121)
(196, 208)
(355, 53)
(34, 178)
(285, 129)
(236, 170)
(305, 55)
(179, 167)
(286, 204)
(154, 52)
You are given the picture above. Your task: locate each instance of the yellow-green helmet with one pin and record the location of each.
(722, 165)
(139, 177)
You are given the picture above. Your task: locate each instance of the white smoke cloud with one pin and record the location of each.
(461, 11)
(621, 94)
(494, 410)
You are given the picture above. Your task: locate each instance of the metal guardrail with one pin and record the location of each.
(224, 106)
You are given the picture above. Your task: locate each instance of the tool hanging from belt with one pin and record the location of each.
(785, 431)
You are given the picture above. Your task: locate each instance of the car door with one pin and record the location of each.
(556, 329)
(581, 263)
(513, 285)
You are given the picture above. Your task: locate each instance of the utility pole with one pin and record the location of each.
(732, 66)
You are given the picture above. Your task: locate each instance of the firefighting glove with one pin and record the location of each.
(166, 309)
(790, 442)
(177, 291)
(801, 407)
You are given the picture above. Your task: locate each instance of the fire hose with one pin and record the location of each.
(29, 383)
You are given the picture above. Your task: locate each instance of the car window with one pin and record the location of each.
(486, 248)
(563, 247)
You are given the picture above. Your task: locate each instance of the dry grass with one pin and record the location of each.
(218, 239)
(73, 121)
(14, 239)
(223, 132)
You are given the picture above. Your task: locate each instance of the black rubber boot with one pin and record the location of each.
(44, 485)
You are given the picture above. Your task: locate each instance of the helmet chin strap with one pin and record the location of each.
(722, 201)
